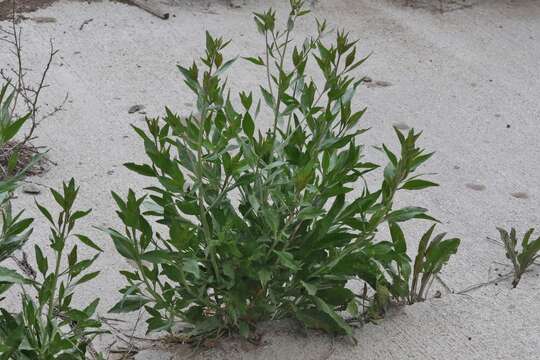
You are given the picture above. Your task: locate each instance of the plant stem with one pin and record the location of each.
(280, 91)
(201, 196)
(62, 237)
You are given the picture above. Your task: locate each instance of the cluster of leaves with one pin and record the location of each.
(521, 261)
(10, 127)
(48, 326)
(255, 225)
(432, 254)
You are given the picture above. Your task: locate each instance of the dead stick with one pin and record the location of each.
(152, 8)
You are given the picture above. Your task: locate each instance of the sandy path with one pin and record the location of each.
(462, 77)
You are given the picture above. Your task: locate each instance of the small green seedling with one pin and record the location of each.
(432, 255)
(520, 260)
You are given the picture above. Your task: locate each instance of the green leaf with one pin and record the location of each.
(398, 238)
(418, 184)
(11, 277)
(352, 308)
(309, 213)
(86, 241)
(45, 213)
(87, 277)
(264, 276)
(248, 125)
(255, 60)
(122, 244)
(42, 262)
(192, 266)
(128, 304)
(143, 169)
(12, 129)
(157, 257)
(405, 214)
(324, 307)
(311, 289)
(268, 98)
(287, 260)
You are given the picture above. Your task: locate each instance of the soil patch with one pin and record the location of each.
(27, 153)
(21, 6)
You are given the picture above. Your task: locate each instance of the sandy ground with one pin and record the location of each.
(470, 78)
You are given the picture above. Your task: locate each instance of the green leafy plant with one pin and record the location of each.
(521, 260)
(49, 327)
(432, 254)
(15, 229)
(243, 224)
(10, 126)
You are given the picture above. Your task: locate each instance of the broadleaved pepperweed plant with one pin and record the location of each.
(243, 225)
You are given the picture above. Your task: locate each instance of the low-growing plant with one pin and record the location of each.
(10, 126)
(432, 254)
(49, 327)
(21, 94)
(242, 224)
(521, 260)
(15, 229)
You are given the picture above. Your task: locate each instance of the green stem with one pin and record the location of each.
(201, 196)
(268, 64)
(280, 91)
(62, 237)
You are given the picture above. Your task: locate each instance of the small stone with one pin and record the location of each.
(236, 3)
(31, 189)
(383, 83)
(43, 19)
(520, 195)
(378, 83)
(508, 126)
(110, 172)
(135, 108)
(437, 295)
(475, 187)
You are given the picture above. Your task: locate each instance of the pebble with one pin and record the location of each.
(31, 189)
(236, 3)
(43, 19)
(378, 83)
(475, 187)
(520, 195)
(135, 108)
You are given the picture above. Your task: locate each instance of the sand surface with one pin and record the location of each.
(470, 78)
